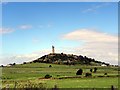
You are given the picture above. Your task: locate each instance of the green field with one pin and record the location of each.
(64, 76)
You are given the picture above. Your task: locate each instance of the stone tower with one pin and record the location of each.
(53, 49)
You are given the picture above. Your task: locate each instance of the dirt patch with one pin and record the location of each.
(46, 78)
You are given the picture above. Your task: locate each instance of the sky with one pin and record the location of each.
(29, 29)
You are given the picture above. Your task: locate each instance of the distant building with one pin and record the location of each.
(53, 49)
(8, 65)
(103, 65)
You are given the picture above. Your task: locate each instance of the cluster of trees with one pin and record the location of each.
(9, 65)
(68, 59)
(12, 64)
(80, 72)
(95, 70)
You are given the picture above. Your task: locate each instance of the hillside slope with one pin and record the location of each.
(68, 59)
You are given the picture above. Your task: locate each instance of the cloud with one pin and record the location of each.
(95, 7)
(89, 35)
(49, 25)
(3, 2)
(25, 27)
(101, 51)
(35, 40)
(40, 26)
(89, 10)
(20, 58)
(10, 30)
(98, 45)
(6, 30)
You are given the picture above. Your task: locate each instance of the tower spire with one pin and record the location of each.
(53, 49)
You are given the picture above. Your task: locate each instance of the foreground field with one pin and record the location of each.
(63, 76)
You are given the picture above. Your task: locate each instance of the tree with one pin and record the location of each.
(50, 65)
(90, 70)
(47, 76)
(79, 72)
(95, 70)
(14, 63)
(2, 66)
(88, 74)
(105, 73)
(24, 62)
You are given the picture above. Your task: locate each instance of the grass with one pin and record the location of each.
(35, 73)
(86, 83)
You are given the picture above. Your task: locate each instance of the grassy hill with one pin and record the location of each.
(68, 59)
(61, 69)
(64, 76)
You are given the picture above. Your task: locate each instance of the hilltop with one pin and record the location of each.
(68, 59)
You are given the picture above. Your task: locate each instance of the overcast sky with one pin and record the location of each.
(84, 28)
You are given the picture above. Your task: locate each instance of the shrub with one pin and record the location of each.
(47, 76)
(90, 70)
(28, 86)
(24, 62)
(79, 72)
(2, 66)
(58, 62)
(95, 70)
(88, 74)
(30, 62)
(55, 87)
(105, 73)
(50, 65)
(14, 63)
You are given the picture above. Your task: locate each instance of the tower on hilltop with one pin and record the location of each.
(53, 49)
